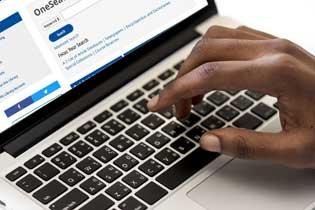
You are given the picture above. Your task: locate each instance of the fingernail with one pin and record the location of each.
(211, 143)
(153, 102)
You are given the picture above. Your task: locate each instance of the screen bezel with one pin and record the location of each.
(65, 100)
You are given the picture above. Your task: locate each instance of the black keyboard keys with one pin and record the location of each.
(113, 127)
(118, 191)
(101, 202)
(179, 65)
(109, 173)
(132, 204)
(80, 149)
(248, 121)
(71, 177)
(92, 186)
(158, 140)
(203, 108)
(70, 201)
(16, 174)
(168, 112)
(105, 154)
(69, 139)
(135, 179)
(255, 95)
(86, 127)
(126, 162)
(137, 132)
(182, 145)
(141, 106)
(64, 160)
(173, 129)
(29, 183)
(88, 165)
(34, 162)
(151, 193)
(212, 123)
(196, 133)
(218, 98)
(52, 150)
(97, 138)
(165, 75)
(228, 113)
(142, 151)
(153, 121)
(264, 111)
(121, 143)
(242, 103)
(191, 120)
(135, 95)
(49, 192)
(119, 105)
(154, 93)
(103, 116)
(150, 85)
(167, 156)
(151, 167)
(129, 116)
(46, 171)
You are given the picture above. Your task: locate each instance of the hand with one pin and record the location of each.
(243, 58)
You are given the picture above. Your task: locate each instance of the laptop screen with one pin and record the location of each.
(49, 47)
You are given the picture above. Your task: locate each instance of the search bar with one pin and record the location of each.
(77, 8)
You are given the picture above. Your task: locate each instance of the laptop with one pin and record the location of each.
(76, 134)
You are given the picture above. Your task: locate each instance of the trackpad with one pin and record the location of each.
(248, 185)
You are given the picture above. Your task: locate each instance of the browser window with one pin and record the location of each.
(48, 47)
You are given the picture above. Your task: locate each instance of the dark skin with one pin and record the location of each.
(262, 63)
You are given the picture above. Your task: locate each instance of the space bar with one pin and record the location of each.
(186, 168)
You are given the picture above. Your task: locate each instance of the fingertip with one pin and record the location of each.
(211, 143)
(153, 103)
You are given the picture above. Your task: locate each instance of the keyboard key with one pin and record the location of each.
(153, 121)
(191, 120)
(264, 111)
(71, 177)
(158, 140)
(196, 133)
(248, 121)
(203, 108)
(150, 85)
(276, 105)
(109, 174)
(141, 106)
(135, 95)
(119, 106)
(173, 129)
(142, 151)
(52, 150)
(182, 145)
(242, 103)
(86, 127)
(165, 75)
(101, 202)
(186, 167)
(228, 113)
(34, 162)
(105, 154)
(88, 165)
(218, 98)
(80, 149)
(135, 179)
(168, 113)
(46, 171)
(70, 201)
(103, 116)
(118, 191)
(151, 193)
(121, 143)
(97, 138)
(167, 156)
(128, 116)
(64, 160)
(29, 183)
(16, 174)
(255, 95)
(113, 127)
(154, 93)
(49, 192)
(179, 65)
(69, 139)
(232, 92)
(93, 185)
(132, 204)
(126, 162)
(212, 123)
(151, 167)
(137, 132)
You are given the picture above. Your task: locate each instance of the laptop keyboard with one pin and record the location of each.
(127, 158)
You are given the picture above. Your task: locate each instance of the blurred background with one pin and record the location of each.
(292, 19)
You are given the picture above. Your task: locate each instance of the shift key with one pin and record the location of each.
(70, 201)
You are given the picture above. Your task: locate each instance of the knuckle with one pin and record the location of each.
(208, 69)
(200, 47)
(213, 31)
(243, 149)
(284, 46)
(284, 65)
